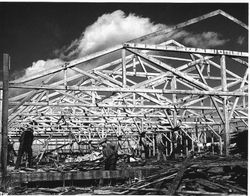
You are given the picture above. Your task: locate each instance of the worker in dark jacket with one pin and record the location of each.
(11, 152)
(110, 154)
(25, 146)
(144, 145)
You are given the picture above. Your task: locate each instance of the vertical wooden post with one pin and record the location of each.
(5, 106)
(1, 125)
(225, 106)
(65, 75)
(186, 146)
(173, 87)
(93, 97)
(171, 143)
(212, 143)
(124, 68)
(154, 147)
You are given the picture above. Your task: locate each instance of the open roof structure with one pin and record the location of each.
(152, 83)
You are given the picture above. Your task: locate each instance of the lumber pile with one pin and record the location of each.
(194, 176)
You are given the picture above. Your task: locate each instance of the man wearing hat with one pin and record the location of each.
(25, 146)
(109, 153)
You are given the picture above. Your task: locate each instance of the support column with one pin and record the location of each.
(225, 106)
(124, 68)
(174, 98)
(5, 105)
(174, 113)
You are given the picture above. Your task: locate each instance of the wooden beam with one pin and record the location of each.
(108, 105)
(174, 100)
(5, 106)
(185, 49)
(123, 67)
(210, 90)
(225, 106)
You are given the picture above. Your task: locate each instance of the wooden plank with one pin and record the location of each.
(174, 99)
(210, 90)
(225, 106)
(123, 67)
(241, 61)
(104, 105)
(1, 124)
(170, 58)
(4, 131)
(79, 115)
(185, 49)
(116, 82)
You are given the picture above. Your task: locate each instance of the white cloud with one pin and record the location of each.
(200, 40)
(110, 29)
(41, 65)
(114, 28)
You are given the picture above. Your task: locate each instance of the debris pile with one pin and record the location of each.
(200, 174)
(88, 157)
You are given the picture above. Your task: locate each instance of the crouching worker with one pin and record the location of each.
(25, 146)
(110, 154)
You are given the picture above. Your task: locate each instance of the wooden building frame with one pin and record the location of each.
(138, 86)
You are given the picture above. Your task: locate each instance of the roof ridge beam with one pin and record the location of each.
(189, 22)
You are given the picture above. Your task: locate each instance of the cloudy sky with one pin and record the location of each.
(40, 35)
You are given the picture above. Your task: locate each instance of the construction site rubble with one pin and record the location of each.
(199, 174)
(88, 157)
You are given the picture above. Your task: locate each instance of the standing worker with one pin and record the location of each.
(144, 145)
(11, 152)
(161, 147)
(25, 146)
(109, 153)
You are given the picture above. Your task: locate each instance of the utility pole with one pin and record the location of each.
(5, 106)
